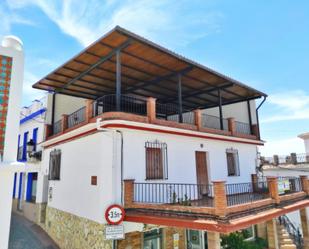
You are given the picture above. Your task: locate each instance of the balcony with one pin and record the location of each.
(217, 202)
(148, 110)
(292, 159)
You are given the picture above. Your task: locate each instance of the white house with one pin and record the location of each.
(171, 141)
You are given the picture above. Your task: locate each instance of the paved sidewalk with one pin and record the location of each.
(27, 235)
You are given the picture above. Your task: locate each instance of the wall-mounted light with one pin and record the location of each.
(30, 147)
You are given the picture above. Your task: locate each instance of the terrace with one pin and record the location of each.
(125, 73)
(217, 202)
(292, 159)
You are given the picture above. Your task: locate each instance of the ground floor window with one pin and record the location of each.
(248, 233)
(196, 239)
(153, 239)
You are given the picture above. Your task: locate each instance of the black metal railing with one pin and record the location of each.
(171, 112)
(302, 158)
(242, 128)
(20, 153)
(289, 185)
(241, 193)
(77, 117)
(128, 104)
(174, 193)
(213, 122)
(57, 127)
(292, 230)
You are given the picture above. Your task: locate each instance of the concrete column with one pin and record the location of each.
(305, 184)
(128, 192)
(255, 130)
(261, 230)
(273, 188)
(220, 200)
(198, 119)
(272, 234)
(231, 125)
(213, 240)
(304, 217)
(254, 180)
(151, 109)
(89, 110)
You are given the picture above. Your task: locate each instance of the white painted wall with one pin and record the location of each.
(239, 111)
(181, 157)
(65, 104)
(81, 159)
(98, 155)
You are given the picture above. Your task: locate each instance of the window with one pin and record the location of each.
(156, 160)
(153, 239)
(232, 162)
(54, 165)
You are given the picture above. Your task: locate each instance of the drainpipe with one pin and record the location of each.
(257, 115)
(99, 128)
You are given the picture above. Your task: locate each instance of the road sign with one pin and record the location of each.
(114, 232)
(114, 214)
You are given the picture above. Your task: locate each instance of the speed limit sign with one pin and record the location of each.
(114, 214)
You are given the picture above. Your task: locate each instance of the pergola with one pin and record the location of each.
(122, 62)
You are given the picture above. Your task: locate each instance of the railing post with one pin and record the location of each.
(232, 125)
(293, 158)
(273, 188)
(254, 179)
(89, 110)
(304, 183)
(128, 192)
(198, 119)
(64, 122)
(220, 199)
(276, 160)
(151, 109)
(48, 130)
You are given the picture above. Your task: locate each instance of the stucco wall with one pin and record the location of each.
(97, 155)
(239, 111)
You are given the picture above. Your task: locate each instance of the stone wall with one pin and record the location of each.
(70, 231)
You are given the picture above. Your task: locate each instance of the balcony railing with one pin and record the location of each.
(243, 128)
(57, 127)
(289, 185)
(20, 153)
(213, 122)
(77, 117)
(241, 193)
(171, 112)
(293, 158)
(156, 113)
(128, 104)
(174, 193)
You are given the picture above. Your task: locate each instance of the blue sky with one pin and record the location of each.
(263, 43)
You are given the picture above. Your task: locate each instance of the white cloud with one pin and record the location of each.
(30, 93)
(289, 105)
(282, 147)
(88, 20)
(8, 18)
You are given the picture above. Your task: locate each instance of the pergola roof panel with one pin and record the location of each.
(147, 69)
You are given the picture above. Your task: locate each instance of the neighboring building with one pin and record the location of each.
(305, 137)
(31, 186)
(173, 142)
(288, 168)
(11, 82)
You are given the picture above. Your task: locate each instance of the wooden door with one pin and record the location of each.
(201, 172)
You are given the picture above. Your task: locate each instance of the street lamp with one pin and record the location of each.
(30, 147)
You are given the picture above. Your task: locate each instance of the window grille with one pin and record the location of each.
(232, 162)
(54, 165)
(156, 160)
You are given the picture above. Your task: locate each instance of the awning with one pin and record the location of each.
(147, 70)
